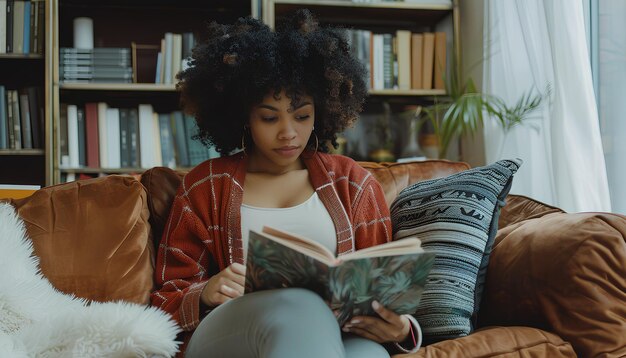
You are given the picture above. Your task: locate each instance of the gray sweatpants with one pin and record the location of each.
(281, 323)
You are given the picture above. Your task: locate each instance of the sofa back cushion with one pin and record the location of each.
(92, 237)
(565, 273)
(162, 183)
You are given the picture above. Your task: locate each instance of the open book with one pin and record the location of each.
(393, 273)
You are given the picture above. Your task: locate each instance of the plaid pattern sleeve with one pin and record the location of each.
(182, 259)
(372, 222)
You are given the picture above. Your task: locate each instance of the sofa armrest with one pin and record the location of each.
(565, 273)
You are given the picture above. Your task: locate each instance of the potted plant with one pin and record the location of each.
(462, 110)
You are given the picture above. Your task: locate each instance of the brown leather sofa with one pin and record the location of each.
(556, 284)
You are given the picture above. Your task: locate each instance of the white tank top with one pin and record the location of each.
(309, 219)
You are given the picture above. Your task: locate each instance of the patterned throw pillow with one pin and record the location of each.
(456, 217)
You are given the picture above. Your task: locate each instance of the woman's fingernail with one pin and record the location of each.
(375, 305)
(345, 329)
(355, 321)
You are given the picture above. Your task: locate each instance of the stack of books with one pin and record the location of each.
(104, 65)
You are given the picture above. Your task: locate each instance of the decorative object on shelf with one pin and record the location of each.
(412, 150)
(83, 33)
(383, 152)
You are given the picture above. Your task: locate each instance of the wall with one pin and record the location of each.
(472, 14)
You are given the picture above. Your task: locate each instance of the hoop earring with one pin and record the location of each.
(317, 143)
(243, 136)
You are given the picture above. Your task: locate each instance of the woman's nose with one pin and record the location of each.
(287, 130)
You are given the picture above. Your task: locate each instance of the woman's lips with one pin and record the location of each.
(287, 151)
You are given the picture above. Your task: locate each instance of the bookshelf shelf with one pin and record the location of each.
(376, 15)
(22, 152)
(102, 170)
(21, 56)
(110, 170)
(118, 87)
(434, 5)
(414, 92)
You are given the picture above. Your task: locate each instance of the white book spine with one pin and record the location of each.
(72, 135)
(102, 134)
(404, 59)
(169, 54)
(146, 136)
(379, 62)
(113, 137)
(156, 135)
(3, 26)
(177, 52)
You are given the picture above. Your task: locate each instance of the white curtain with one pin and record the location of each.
(612, 86)
(530, 44)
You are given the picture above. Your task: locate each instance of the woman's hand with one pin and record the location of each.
(390, 327)
(224, 286)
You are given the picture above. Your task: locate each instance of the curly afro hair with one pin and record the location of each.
(239, 64)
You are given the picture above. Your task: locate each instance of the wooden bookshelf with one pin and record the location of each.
(365, 23)
(119, 23)
(19, 71)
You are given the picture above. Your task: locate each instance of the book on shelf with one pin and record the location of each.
(73, 135)
(428, 59)
(91, 133)
(112, 65)
(417, 43)
(9, 25)
(26, 28)
(21, 118)
(404, 59)
(15, 119)
(3, 26)
(4, 125)
(18, 26)
(22, 25)
(27, 138)
(393, 273)
(440, 60)
(99, 136)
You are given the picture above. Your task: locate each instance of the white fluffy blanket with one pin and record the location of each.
(36, 320)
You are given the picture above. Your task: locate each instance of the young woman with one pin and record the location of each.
(281, 98)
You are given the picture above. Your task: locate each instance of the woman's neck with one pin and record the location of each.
(260, 165)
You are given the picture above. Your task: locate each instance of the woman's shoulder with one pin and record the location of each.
(218, 167)
(341, 165)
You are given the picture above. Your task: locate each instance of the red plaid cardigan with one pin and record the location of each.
(203, 233)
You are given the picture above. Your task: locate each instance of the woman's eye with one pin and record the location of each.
(302, 118)
(268, 119)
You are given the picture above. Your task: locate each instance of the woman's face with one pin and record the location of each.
(280, 130)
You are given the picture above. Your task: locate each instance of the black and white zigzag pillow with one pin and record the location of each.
(456, 217)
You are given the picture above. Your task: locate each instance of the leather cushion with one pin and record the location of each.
(519, 208)
(565, 273)
(501, 342)
(92, 237)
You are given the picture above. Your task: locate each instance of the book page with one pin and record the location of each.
(301, 244)
(409, 245)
